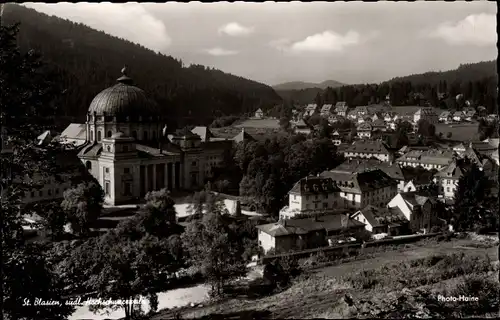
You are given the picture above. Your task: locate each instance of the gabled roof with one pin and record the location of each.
(204, 133)
(75, 132)
(341, 106)
(452, 171)
(186, 133)
(300, 123)
(243, 136)
(414, 199)
(360, 181)
(444, 114)
(326, 108)
(311, 107)
(378, 123)
(352, 166)
(381, 216)
(259, 111)
(364, 127)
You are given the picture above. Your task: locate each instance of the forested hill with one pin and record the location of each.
(300, 85)
(464, 73)
(88, 61)
(475, 83)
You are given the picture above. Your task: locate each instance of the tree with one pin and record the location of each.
(215, 249)
(425, 128)
(83, 205)
(26, 101)
(448, 135)
(474, 206)
(285, 124)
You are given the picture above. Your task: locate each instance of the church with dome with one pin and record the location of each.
(126, 146)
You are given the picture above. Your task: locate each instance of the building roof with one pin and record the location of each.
(425, 112)
(458, 114)
(437, 157)
(381, 216)
(364, 127)
(341, 106)
(415, 199)
(444, 114)
(359, 182)
(452, 171)
(243, 136)
(352, 166)
(314, 185)
(361, 109)
(368, 146)
(300, 123)
(378, 123)
(75, 132)
(123, 99)
(186, 134)
(306, 225)
(259, 111)
(311, 107)
(204, 133)
(326, 108)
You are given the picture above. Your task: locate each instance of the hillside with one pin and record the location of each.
(300, 85)
(87, 61)
(464, 73)
(477, 82)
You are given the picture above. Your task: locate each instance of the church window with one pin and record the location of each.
(91, 135)
(153, 136)
(134, 134)
(40, 193)
(88, 165)
(193, 164)
(49, 192)
(57, 190)
(127, 190)
(126, 170)
(109, 134)
(145, 135)
(107, 187)
(109, 148)
(32, 194)
(106, 170)
(99, 135)
(125, 148)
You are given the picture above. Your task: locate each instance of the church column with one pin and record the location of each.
(155, 177)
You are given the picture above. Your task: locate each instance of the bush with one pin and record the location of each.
(475, 286)
(224, 121)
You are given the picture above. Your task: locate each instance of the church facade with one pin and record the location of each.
(127, 147)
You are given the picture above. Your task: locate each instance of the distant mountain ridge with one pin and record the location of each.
(301, 85)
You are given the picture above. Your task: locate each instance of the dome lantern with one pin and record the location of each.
(125, 79)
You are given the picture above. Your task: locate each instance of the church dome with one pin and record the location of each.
(123, 99)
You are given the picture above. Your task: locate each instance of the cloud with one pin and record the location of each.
(130, 21)
(327, 41)
(476, 29)
(280, 44)
(235, 29)
(221, 52)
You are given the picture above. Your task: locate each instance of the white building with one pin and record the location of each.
(259, 114)
(127, 150)
(368, 149)
(427, 114)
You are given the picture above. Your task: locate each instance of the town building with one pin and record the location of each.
(259, 114)
(302, 128)
(393, 170)
(341, 108)
(310, 109)
(420, 210)
(428, 159)
(364, 131)
(368, 149)
(447, 179)
(427, 114)
(326, 110)
(300, 234)
(382, 220)
(458, 116)
(128, 151)
(445, 117)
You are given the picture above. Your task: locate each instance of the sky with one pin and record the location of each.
(270, 42)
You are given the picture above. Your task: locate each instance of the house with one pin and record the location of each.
(334, 118)
(326, 110)
(390, 116)
(341, 108)
(445, 117)
(421, 211)
(481, 111)
(469, 115)
(393, 170)
(310, 109)
(364, 130)
(299, 234)
(428, 159)
(378, 125)
(337, 137)
(302, 128)
(377, 116)
(75, 133)
(458, 116)
(382, 220)
(448, 178)
(361, 111)
(357, 190)
(368, 149)
(259, 114)
(352, 115)
(427, 114)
